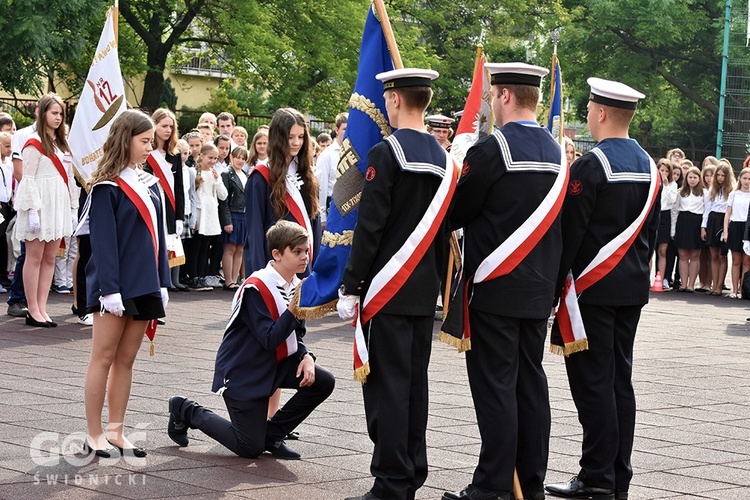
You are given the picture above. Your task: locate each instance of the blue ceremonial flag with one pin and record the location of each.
(555, 123)
(367, 126)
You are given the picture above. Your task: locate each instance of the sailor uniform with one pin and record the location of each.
(248, 369)
(260, 216)
(402, 180)
(505, 177)
(609, 189)
(123, 259)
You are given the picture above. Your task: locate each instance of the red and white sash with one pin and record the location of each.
(36, 143)
(294, 202)
(569, 319)
(389, 280)
(163, 171)
(263, 280)
(505, 258)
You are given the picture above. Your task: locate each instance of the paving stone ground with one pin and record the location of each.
(691, 376)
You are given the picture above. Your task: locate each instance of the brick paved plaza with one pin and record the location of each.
(691, 373)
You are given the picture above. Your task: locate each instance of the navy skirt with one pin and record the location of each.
(735, 236)
(237, 237)
(141, 308)
(663, 234)
(688, 232)
(714, 230)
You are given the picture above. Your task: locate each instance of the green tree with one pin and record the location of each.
(668, 49)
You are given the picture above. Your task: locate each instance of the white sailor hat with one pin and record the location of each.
(613, 94)
(439, 121)
(516, 73)
(407, 77)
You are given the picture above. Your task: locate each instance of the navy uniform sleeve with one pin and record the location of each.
(103, 230)
(476, 180)
(374, 209)
(268, 332)
(583, 184)
(258, 217)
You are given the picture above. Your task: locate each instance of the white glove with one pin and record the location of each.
(347, 305)
(746, 246)
(178, 227)
(164, 298)
(112, 304)
(34, 224)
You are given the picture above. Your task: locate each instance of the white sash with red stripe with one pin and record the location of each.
(389, 280)
(265, 280)
(163, 171)
(569, 319)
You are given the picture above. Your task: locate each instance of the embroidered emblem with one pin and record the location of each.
(370, 173)
(465, 169)
(575, 188)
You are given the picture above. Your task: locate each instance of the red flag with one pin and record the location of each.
(477, 119)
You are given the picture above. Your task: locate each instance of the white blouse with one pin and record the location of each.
(740, 203)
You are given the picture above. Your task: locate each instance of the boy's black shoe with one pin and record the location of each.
(280, 450)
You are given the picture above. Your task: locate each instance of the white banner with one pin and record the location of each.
(102, 99)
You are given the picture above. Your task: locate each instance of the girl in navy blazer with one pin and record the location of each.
(127, 276)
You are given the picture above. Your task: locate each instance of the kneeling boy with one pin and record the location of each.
(262, 350)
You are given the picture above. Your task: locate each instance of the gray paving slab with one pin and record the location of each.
(691, 376)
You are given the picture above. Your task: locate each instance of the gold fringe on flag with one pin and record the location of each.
(175, 261)
(151, 349)
(570, 348)
(460, 344)
(311, 312)
(361, 373)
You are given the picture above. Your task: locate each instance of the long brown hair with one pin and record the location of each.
(171, 145)
(686, 189)
(728, 185)
(254, 152)
(46, 102)
(278, 149)
(116, 149)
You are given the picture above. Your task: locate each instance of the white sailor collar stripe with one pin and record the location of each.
(521, 166)
(640, 177)
(418, 167)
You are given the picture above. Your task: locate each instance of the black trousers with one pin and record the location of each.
(511, 400)
(248, 430)
(395, 397)
(600, 382)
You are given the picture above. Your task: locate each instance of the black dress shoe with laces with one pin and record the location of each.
(575, 488)
(280, 450)
(176, 428)
(472, 492)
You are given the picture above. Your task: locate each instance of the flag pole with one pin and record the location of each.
(115, 19)
(388, 33)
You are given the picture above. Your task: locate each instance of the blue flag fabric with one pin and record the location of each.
(554, 125)
(367, 126)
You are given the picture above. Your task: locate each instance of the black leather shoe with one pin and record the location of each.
(367, 496)
(130, 452)
(472, 492)
(88, 450)
(280, 450)
(32, 322)
(576, 489)
(176, 428)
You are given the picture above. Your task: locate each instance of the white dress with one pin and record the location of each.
(211, 191)
(42, 189)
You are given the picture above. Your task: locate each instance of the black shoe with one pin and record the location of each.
(176, 428)
(367, 496)
(51, 324)
(32, 322)
(99, 453)
(576, 489)
(280, 450)
(76, 312)
(621, 495)
(160, 321)
(472, 492)
(130, 452)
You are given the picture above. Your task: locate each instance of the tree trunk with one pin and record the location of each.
(151, 98)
